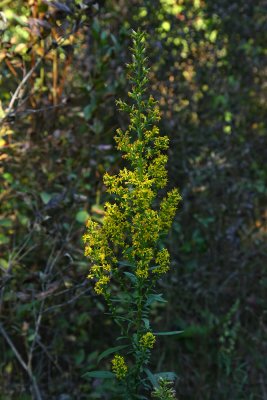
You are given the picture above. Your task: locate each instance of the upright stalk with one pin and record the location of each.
(124, 251)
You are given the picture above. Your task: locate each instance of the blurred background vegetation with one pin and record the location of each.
(62, 67)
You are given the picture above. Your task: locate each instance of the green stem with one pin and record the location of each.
(113, 312)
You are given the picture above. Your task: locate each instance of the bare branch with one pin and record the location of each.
(36, 389)
(20, 86)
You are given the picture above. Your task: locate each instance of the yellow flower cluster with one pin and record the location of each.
(148, 340)
(101, 283)
(115, 224)
(168, 208)
(145, 256)
(157, 170)
(162, 261)
(99, 252)
(145, 228)
(119, 367)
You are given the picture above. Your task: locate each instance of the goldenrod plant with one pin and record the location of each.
(125, 250)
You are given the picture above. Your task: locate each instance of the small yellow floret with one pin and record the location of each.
(148, 340)
(119, 367)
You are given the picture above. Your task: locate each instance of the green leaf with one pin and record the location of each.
(3, 239)
(4, 263)
(121, 337)
(99, 374)
(152, 378)
(170, 376)
(147, 323)
(97, 126)
(131, 276)
(109, 351)
(122, 298)
(79, 357)
(46, 197)
(124, 319)
(195, 330)
(125, 264)
(167, 333)
(155, 298)
(6, 222)
(8, 177)
(82, 216)
(92, 357)
(88, 111)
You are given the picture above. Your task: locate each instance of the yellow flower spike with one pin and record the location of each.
(147, 341)
(119, 367)
(163, 261)
(168, 208)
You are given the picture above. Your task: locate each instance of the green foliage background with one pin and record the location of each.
(208, 69)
